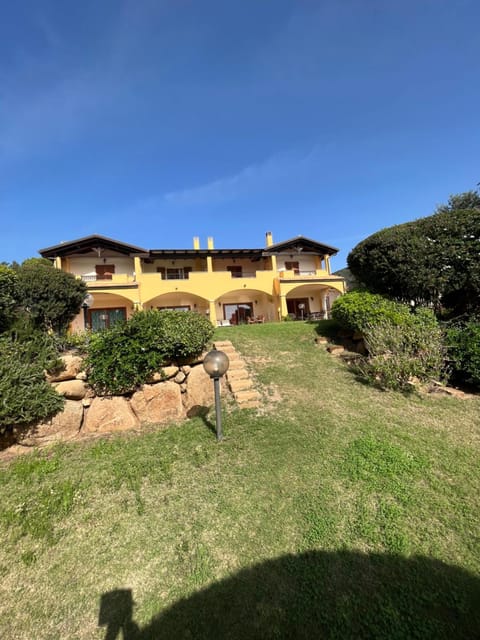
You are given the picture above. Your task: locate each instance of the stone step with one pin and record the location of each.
(237, 374)
(247, 396)
(238, 378)
(235, 364)
(335, 349)
(240, 385)
(223, 344)
(228, 349)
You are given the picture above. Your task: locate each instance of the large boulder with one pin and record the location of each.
(64, 426)
(71, 367)
(106, 415)
(158, 403)
(199, 396)
(72, 389)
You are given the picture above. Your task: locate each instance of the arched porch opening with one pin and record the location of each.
(179, 301)
(104, 312)
(309, 302)
(244, 306)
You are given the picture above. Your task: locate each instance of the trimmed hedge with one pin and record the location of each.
(122, 358)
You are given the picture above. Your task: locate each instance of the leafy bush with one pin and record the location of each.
(8, 296)
(125, 356)
(399, 352)
(464, 351)
(25, 393)
(358, 310)
(33, 344)
(51, 297)
(77, 341)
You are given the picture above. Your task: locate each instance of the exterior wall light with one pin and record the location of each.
(216, 364)
(87, 303)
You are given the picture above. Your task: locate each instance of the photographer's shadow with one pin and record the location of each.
(116, 612)
(317, 595)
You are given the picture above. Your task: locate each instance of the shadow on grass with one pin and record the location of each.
(326, 328)
(200, 411)
(342, 595)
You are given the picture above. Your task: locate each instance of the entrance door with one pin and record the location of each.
(238, 313)
(298, 307)
(105, 318)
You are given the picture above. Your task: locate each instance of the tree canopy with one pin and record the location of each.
(51, 297)
(433, 260)
(467, 200)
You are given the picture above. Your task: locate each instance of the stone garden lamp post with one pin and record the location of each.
(216, 365)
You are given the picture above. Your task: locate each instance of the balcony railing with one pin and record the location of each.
(291, 274)
(186, 276)
(114, 278)
(242, 274)
(93, 278)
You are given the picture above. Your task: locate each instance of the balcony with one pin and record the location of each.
(108, 280)
(297, 274)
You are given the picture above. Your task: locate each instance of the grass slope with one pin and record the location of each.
(338, 511)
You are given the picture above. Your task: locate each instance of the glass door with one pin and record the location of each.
(238, 313)
(105, 318)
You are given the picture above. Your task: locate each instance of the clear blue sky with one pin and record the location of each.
(152, 121)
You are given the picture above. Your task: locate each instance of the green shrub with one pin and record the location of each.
(464, 351)
(399, 352)
(8, 296)
(25, 394)
(33, 344)
(122, 358)
(78, 341)
(357, 310)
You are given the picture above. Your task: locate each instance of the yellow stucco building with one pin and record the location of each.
(230, 286)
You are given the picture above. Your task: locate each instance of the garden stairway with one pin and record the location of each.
(238, 378)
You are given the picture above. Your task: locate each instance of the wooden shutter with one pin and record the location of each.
(104, 271)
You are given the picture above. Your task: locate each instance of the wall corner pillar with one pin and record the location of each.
(213, 312)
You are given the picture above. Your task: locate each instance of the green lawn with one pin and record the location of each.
(337, 511)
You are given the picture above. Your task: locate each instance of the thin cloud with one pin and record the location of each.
(258, 177)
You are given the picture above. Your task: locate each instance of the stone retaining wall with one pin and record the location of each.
(176, 393)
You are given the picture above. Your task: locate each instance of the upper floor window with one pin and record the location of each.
(292, 266)
(174, 273)
(104, 271)
(235, 270)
